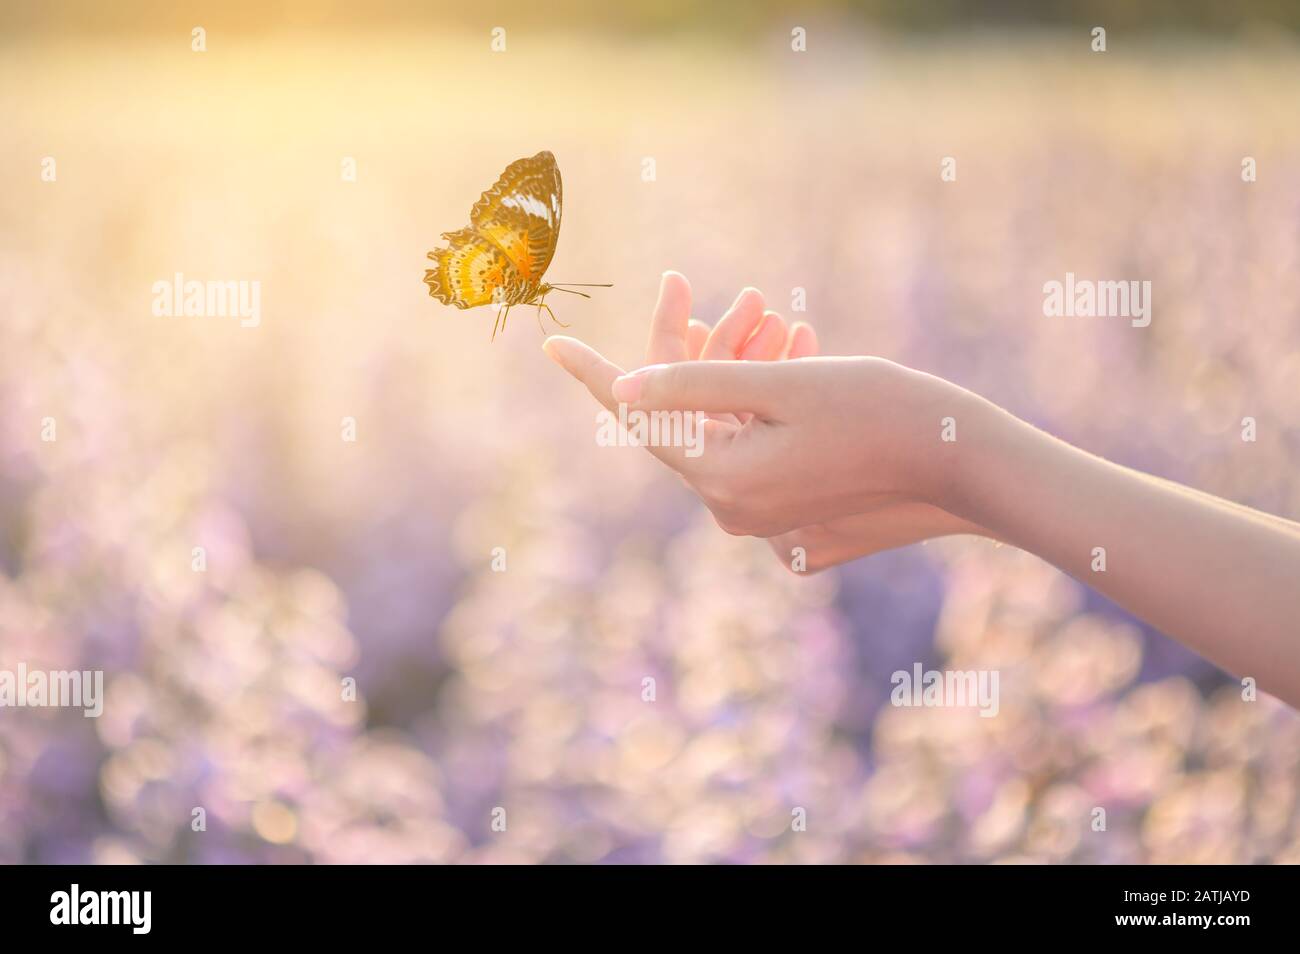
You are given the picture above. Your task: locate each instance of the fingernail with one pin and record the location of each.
(628, 388)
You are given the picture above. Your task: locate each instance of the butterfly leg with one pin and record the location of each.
(502, 313)
(551, 313)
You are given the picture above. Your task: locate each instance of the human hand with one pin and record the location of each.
(844, 456)
(747, 332)
(827, 436)
(803, 460)
(802, 463)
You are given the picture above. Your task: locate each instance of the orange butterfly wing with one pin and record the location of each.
(514, 227)
(521, 214)
(469, 271)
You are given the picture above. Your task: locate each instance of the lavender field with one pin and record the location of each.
(326, 560)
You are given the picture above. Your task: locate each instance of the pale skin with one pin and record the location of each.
(845, 457)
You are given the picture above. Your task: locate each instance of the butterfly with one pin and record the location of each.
(501, 256)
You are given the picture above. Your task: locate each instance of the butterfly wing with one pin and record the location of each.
(469, 270)
(521, 214)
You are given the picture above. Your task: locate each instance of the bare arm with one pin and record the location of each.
(843, 457)
(1221, 578)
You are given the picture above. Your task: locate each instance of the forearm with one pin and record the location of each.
(1220, 578)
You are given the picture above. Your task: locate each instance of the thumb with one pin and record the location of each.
(709, 386)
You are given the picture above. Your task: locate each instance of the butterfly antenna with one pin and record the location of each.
(570, 286)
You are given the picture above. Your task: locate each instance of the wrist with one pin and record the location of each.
(988, 462)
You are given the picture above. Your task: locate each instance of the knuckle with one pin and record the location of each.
(667, 382)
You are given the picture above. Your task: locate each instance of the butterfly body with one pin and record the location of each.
(501, 256)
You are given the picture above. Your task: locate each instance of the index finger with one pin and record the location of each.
(586, 364)
(598, 374)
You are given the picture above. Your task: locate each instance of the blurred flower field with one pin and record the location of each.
(371, 560)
